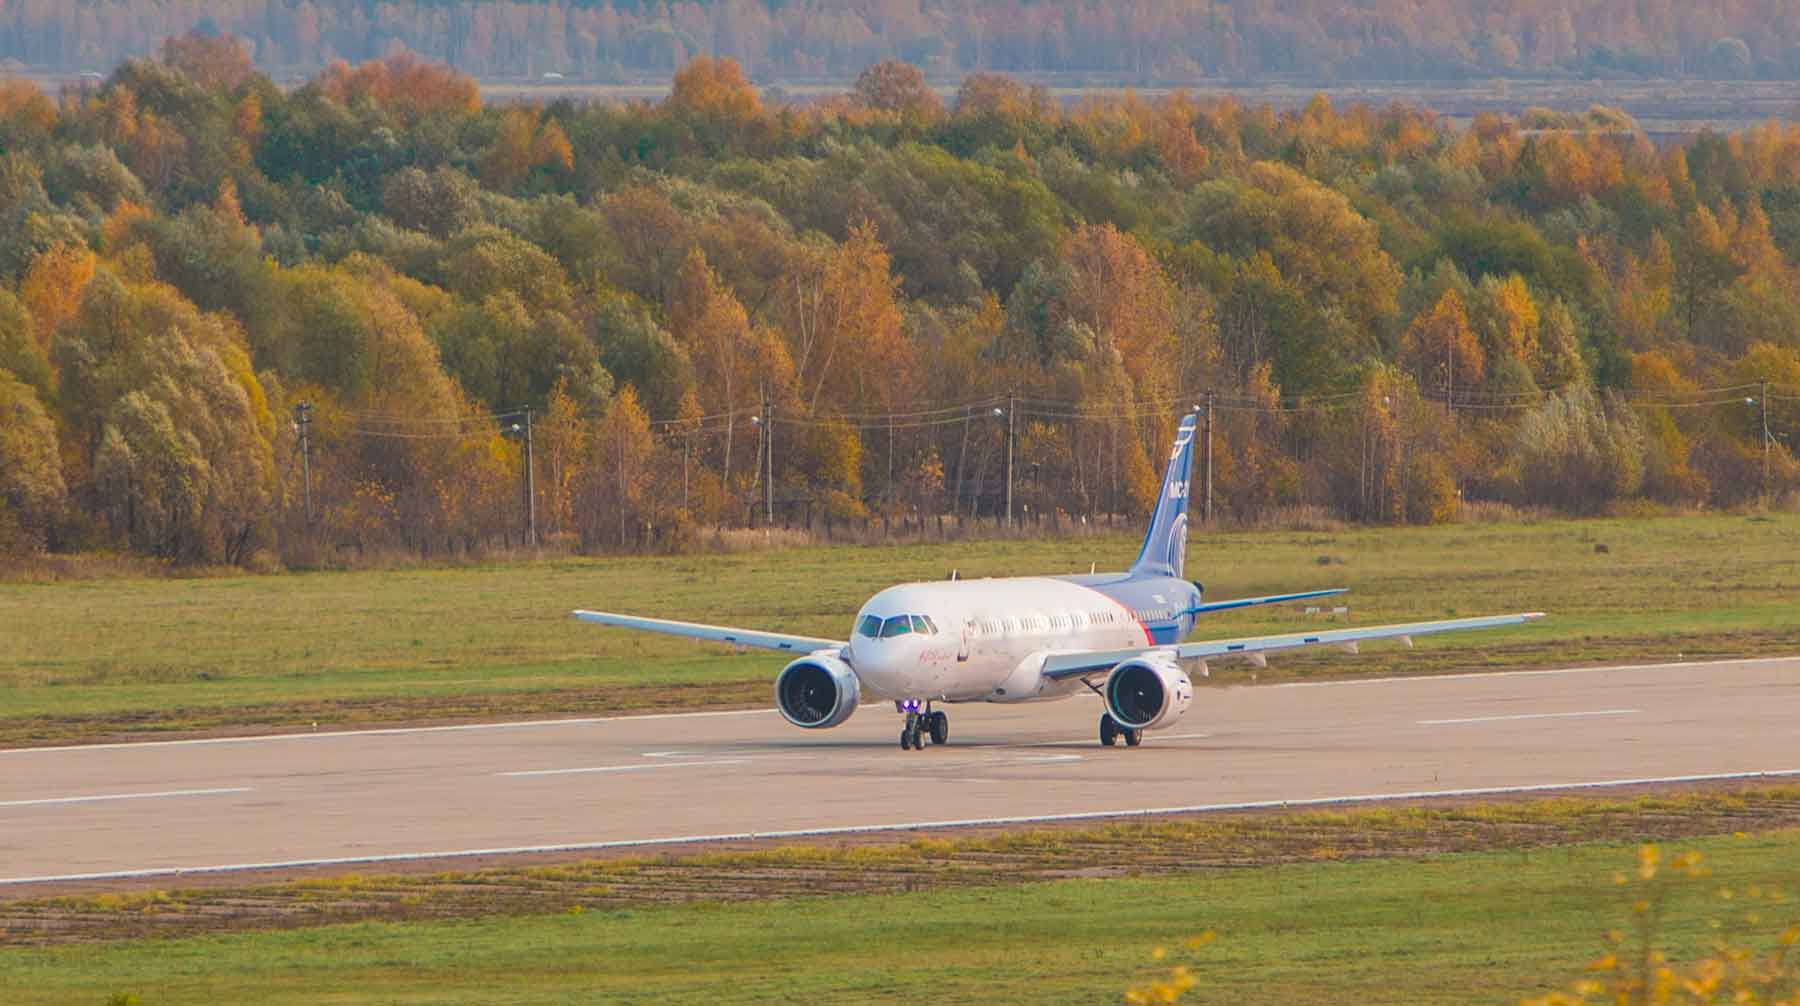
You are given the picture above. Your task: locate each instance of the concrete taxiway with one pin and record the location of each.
(391, 795)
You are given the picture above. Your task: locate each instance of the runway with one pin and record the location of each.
(389, 795)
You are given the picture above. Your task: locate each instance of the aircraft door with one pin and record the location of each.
(968, 630)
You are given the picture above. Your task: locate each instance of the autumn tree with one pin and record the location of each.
(842, 324)
(1704, 267)
(1442, 350)
(52, 287)
(21, 354)
(404, 86)
(439, 203)
(1579, 450)
(714, 99)
(732, 365)
(1506, 319)
(169, 419)
(900, 88)
(32, 492)
(524, 142)
(614, 496)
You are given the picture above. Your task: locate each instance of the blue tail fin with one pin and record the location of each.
(1165, 545)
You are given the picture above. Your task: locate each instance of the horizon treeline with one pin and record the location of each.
(1393, 316)
(1130, 41)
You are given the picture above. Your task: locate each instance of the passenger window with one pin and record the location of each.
(870, 626)
(919, 626)
(899, 625)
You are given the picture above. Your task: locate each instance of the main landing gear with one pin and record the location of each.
(1111, 731)
(923, 723)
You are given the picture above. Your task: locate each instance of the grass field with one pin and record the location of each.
(1162, 847)
(104, 657)
(1462, 929)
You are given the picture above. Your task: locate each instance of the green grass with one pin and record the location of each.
(86, 657)
(1473, 928)
(1162, 847)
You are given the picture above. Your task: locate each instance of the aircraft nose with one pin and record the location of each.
(880, 663)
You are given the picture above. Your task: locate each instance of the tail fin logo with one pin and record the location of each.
(1165, 542)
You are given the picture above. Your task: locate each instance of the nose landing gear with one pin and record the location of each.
(922, 723)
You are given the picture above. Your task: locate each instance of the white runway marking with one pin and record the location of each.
(577, 721)
(992, 822)
(124, 796)
(383, 731)
(1426, 678)
(1530, 716)
(625, 768)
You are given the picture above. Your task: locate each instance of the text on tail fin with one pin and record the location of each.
(1165, 543)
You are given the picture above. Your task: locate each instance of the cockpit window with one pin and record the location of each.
(899, 625)
(931, 625)
(921, 626)
(870, 626)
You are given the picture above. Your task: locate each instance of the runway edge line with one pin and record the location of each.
(864, 829)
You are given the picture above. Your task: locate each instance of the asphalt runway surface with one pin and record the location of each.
(369, 797)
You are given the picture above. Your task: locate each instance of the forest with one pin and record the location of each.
(247, 324)
(1130, 41)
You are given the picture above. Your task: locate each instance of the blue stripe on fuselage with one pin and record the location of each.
(1145, 597)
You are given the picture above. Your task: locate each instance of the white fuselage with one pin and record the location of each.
(984, 640)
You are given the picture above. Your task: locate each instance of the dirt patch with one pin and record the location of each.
(875, 863)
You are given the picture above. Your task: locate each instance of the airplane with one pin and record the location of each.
(1030, 639)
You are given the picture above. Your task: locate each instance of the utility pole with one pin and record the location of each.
(768, 425)
(303, 426)
(531, 532)
(1206, 511)
(1011, 408)
(1765, 443)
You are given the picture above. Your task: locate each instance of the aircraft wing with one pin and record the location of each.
(1059, 666)
(1246, 602)
(711, 633)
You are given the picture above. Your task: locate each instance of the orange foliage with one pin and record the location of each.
(24, 106)
(52, 287)
(1116, 289)
(246, 126)
(551, 148)
(1441, 348)
(403, 85)
(120, 225)
(715, 89)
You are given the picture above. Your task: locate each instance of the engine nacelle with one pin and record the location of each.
(1148, 693)
(817, 692)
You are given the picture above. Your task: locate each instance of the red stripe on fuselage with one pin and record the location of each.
(1121, 605)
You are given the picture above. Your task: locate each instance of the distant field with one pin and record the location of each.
(1659, 106)
(103, 657)
(1484, 928)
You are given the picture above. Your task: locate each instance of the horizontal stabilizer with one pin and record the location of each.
(1249, 602)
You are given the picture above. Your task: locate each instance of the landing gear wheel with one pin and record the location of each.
(909, 738)
(1133, 738)
(1109, 730)
(940, 727)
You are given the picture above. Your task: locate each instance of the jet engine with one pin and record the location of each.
(817, 692)
(1148, 693)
